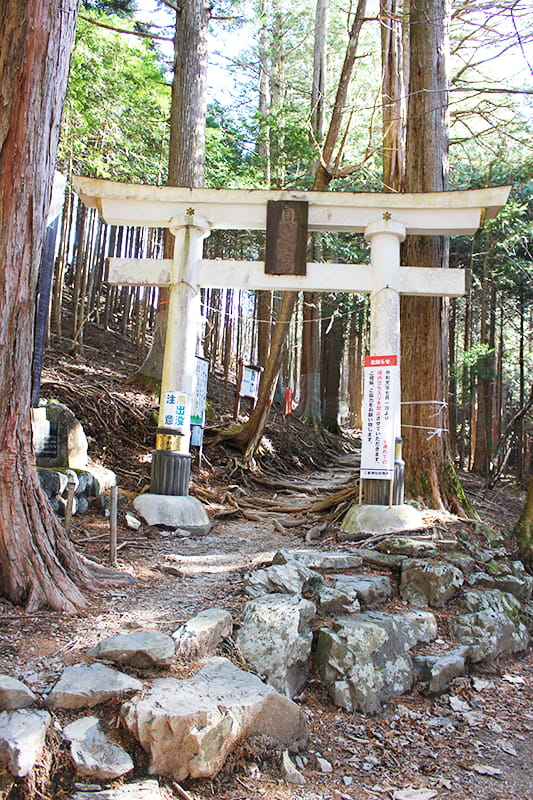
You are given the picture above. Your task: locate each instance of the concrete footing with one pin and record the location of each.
(364, 520)
(173, 511)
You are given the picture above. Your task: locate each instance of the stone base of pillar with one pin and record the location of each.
(184, 513)
(365, 520)
(171, 473)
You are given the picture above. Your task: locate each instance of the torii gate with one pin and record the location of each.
(190, 214)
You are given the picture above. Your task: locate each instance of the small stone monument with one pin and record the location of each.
(58, 438)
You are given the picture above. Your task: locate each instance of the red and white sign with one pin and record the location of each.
(380, 401)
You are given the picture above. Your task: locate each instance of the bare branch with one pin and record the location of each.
(141, 34)
(491, 90)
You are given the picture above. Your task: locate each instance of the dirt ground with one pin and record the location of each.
(416, 744)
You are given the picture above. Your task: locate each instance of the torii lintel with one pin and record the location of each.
(428, 213)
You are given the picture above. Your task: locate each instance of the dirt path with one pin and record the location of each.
(417, 743)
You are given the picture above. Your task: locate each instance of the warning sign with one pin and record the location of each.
(380, 400)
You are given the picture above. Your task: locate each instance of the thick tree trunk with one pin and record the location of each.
(186, 147)
(430, 475)
(395, 68)
(523, 529)
(332, 342)
(38, 565)
(264, 325)
(309, 406)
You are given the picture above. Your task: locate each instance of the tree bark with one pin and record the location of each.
(186, 159)
(430, 475)
(523, 529)
(332, 342)
(309, 407)
(38, 564)
(395, 68)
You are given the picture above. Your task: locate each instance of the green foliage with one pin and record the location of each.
(120, 8)
(229, 160)
(116, 114)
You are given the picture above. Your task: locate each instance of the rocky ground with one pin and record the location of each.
(472, 741)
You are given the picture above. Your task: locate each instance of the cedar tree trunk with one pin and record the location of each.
(186, 158)
(38, 564)
(523, 530)
(430, 475)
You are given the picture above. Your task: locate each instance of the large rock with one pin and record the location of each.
(289, 578)
(138, 790)
(344, 658)
(188, 727)
(435, 672)
(22, 735)
(491, 627)
(94, 755)
(86, 685)
(202, 634)
(365, 659)
(372, 590)
(275, 639)
(338, 599)
(405, 545)
(14, 694)
(321, 560)
(429, 582)
(141, 649)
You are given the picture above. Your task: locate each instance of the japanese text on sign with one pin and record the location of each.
(176, 413)
(200, 394)
(250, 381)
(381, 389)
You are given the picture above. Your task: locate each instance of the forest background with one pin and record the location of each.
(265, 127)
(370, 97)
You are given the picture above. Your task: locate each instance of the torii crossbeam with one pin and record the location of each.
(190, 214)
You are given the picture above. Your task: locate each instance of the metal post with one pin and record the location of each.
(113, 513)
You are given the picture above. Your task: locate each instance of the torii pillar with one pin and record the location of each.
(384, 219)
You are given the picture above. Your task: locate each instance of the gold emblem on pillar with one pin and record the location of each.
(168, 441)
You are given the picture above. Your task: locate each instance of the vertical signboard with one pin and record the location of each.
(380, 401)
(199, 401)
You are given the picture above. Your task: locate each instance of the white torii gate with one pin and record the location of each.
(190, 214)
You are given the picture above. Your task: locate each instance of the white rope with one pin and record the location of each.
(442, 405)
(432, 431)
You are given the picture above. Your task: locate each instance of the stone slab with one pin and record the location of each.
(201, 635)
(83, 685)
(22, 736)
(173, 511)
(94, 755)
(14, 694)
(138, 790)
(321, 560)
(141, 649)
(188, 727)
